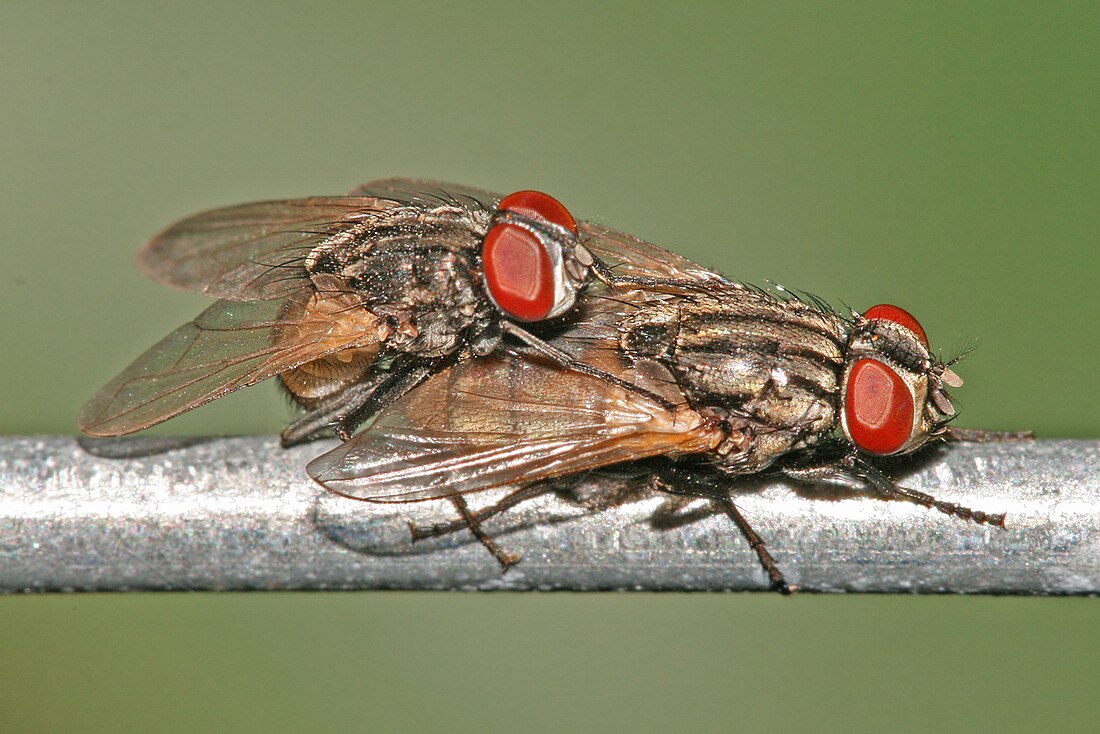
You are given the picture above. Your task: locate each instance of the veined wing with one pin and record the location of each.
(230, 345)
(629, 256)
(509, 418)
(252, 251)
(425, 192)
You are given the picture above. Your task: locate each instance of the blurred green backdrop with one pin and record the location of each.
(939, 156)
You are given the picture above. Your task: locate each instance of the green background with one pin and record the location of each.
(938, 156)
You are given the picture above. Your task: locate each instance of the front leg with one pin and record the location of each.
(976, 435)
(853, 472)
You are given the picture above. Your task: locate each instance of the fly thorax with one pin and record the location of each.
(430, 295)
(778, 369)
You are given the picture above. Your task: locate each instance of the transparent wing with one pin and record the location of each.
(508, 418)
(251, 251)
(230, 345)
(419, 191)
(629, 256)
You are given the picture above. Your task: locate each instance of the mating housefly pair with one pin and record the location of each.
(497, 342)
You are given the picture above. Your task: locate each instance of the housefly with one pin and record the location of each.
(350, 301)
(495, 341)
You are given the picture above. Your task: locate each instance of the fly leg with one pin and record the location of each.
(326, 417)
(398, 381)
(420, 532)
(506, 560)
(594, 503)
(689, 485)
(855, 474)
(355, 404)
(974, 435)
(569, 363)
(885, 487)
(757, 544)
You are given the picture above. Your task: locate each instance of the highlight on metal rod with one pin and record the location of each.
(241, 513)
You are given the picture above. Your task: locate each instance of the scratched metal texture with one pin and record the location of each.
(240, 513)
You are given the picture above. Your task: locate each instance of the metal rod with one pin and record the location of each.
(240, 513)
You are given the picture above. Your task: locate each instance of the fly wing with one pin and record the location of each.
(425, 192)
(230, 345)
(508, 418)
(629, 256)
(252, 251)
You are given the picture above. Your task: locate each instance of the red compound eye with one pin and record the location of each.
(539, 206)
(899, 316)
(518, 272)
(878, 408)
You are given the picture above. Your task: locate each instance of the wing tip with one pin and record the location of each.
(153, 258)
(90, 417)
(94, 419)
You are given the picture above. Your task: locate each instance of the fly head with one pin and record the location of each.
(894, 390)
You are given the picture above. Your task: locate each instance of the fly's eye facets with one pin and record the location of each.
(518, 272)
(540, 207)
(878, 408)
(900, 316)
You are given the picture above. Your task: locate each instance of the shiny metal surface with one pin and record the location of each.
(240, 513)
